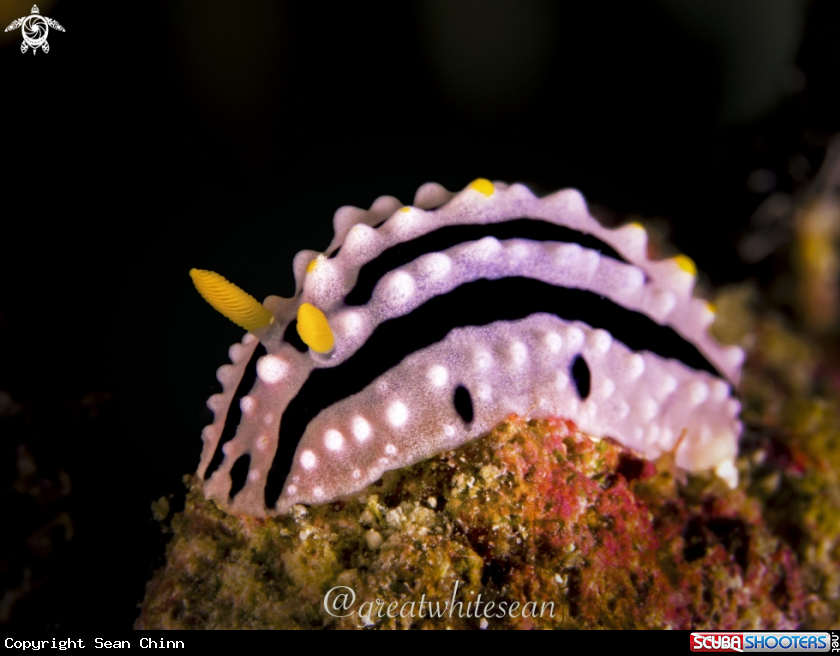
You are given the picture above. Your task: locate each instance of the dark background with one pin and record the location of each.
(158, 136)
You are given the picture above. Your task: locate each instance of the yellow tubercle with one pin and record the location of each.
(238, 306)
(711, 307)
(483, 186)
(314, 329)
(686, 264)
(405, 209)
(636, 224)
(311, 266)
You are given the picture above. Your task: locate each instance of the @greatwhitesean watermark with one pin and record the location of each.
(341, 601)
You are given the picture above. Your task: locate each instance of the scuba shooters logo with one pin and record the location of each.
(764, 641)
(717, 642)
(35, 29)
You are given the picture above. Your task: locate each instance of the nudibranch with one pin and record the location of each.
(423, 326)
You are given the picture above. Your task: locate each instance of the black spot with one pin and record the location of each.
(463, 403)
(495, 573)
(449, 236)
(630, 468)
(731, 533)
(396, 496)
(694, 540)
(780, 593)
(239, 474)
(234, 412)
(582, 377)
(477, 303)
(574, 585)
(735, 538)
(291, 336)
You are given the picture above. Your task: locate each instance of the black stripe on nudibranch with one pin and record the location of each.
(463, 404)
(234, 412)
(443, 238)
(239, 474)
(476, 303)
(582, 377)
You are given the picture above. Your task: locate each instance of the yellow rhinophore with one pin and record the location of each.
(483, 186)
(238, 306)
(314, 329)
(685, 263)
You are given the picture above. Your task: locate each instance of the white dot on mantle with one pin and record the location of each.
(397, 414)
(333, 440)
(308, 459)
(361, 428)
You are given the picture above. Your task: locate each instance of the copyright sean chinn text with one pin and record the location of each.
(97, 643)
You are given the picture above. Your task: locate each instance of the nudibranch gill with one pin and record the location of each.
(423, 326)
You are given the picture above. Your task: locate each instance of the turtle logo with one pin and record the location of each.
(35, 29)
